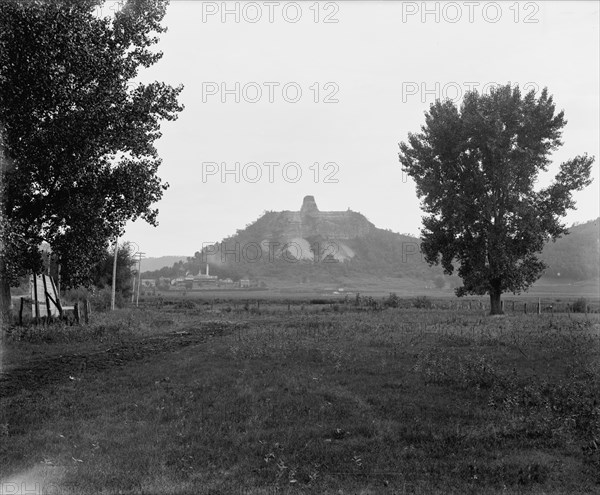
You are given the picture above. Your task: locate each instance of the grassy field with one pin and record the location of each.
(237, 399)
(548, 290)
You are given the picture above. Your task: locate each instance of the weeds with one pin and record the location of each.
(463, 372)
(346, 400)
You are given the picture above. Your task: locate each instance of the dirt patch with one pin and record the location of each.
(39, 372)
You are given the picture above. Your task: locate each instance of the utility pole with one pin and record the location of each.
(58, 278)
(137, 301)
(114, 276)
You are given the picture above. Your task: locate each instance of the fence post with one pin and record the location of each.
(47, 300)
(35, 298)
(539, 306)
(86, 316)
(76, 311)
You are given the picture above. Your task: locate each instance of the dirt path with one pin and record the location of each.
(39, 372)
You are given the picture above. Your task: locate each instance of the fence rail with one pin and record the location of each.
(525, 306)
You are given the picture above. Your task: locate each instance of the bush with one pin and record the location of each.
(392, 301)
(422, 302)
(371, 303)
(100, 299)
(185, 304)
(580, 306)
(75, 294)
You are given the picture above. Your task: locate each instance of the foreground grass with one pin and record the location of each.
(396, 401)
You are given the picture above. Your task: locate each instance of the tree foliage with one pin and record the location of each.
(102, 272)
(475, 169)
(76, 134)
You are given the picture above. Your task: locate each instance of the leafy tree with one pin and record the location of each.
(102, 273)
(475, 169)
(77, 155)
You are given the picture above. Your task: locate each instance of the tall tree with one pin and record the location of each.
(77, 155)
(102, 272)
(475, 169)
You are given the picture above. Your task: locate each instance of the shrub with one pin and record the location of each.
(422, 302)
(185, 304)
(392, 301)
(100, 299)
(371, 303)
(580, 306)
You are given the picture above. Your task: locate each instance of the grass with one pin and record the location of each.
(185, 399)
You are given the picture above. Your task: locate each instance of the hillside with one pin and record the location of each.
(154, 264)
(314, 246)
(575, 256)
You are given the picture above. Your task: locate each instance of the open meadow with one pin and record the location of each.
(185, 397)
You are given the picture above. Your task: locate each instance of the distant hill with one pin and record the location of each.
(314, 246)
(152, 264)
(575, 256)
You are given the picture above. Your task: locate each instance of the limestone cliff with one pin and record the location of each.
(309, 222)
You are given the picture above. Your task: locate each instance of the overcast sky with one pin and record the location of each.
(343, 95)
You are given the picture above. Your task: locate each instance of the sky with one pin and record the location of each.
(285, 99)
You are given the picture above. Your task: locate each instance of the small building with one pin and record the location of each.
(244, 283)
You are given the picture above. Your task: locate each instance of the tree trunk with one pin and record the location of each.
(5, 302)
(495, 302)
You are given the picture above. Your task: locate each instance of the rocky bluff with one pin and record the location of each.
(310, 243)
(310, 222)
